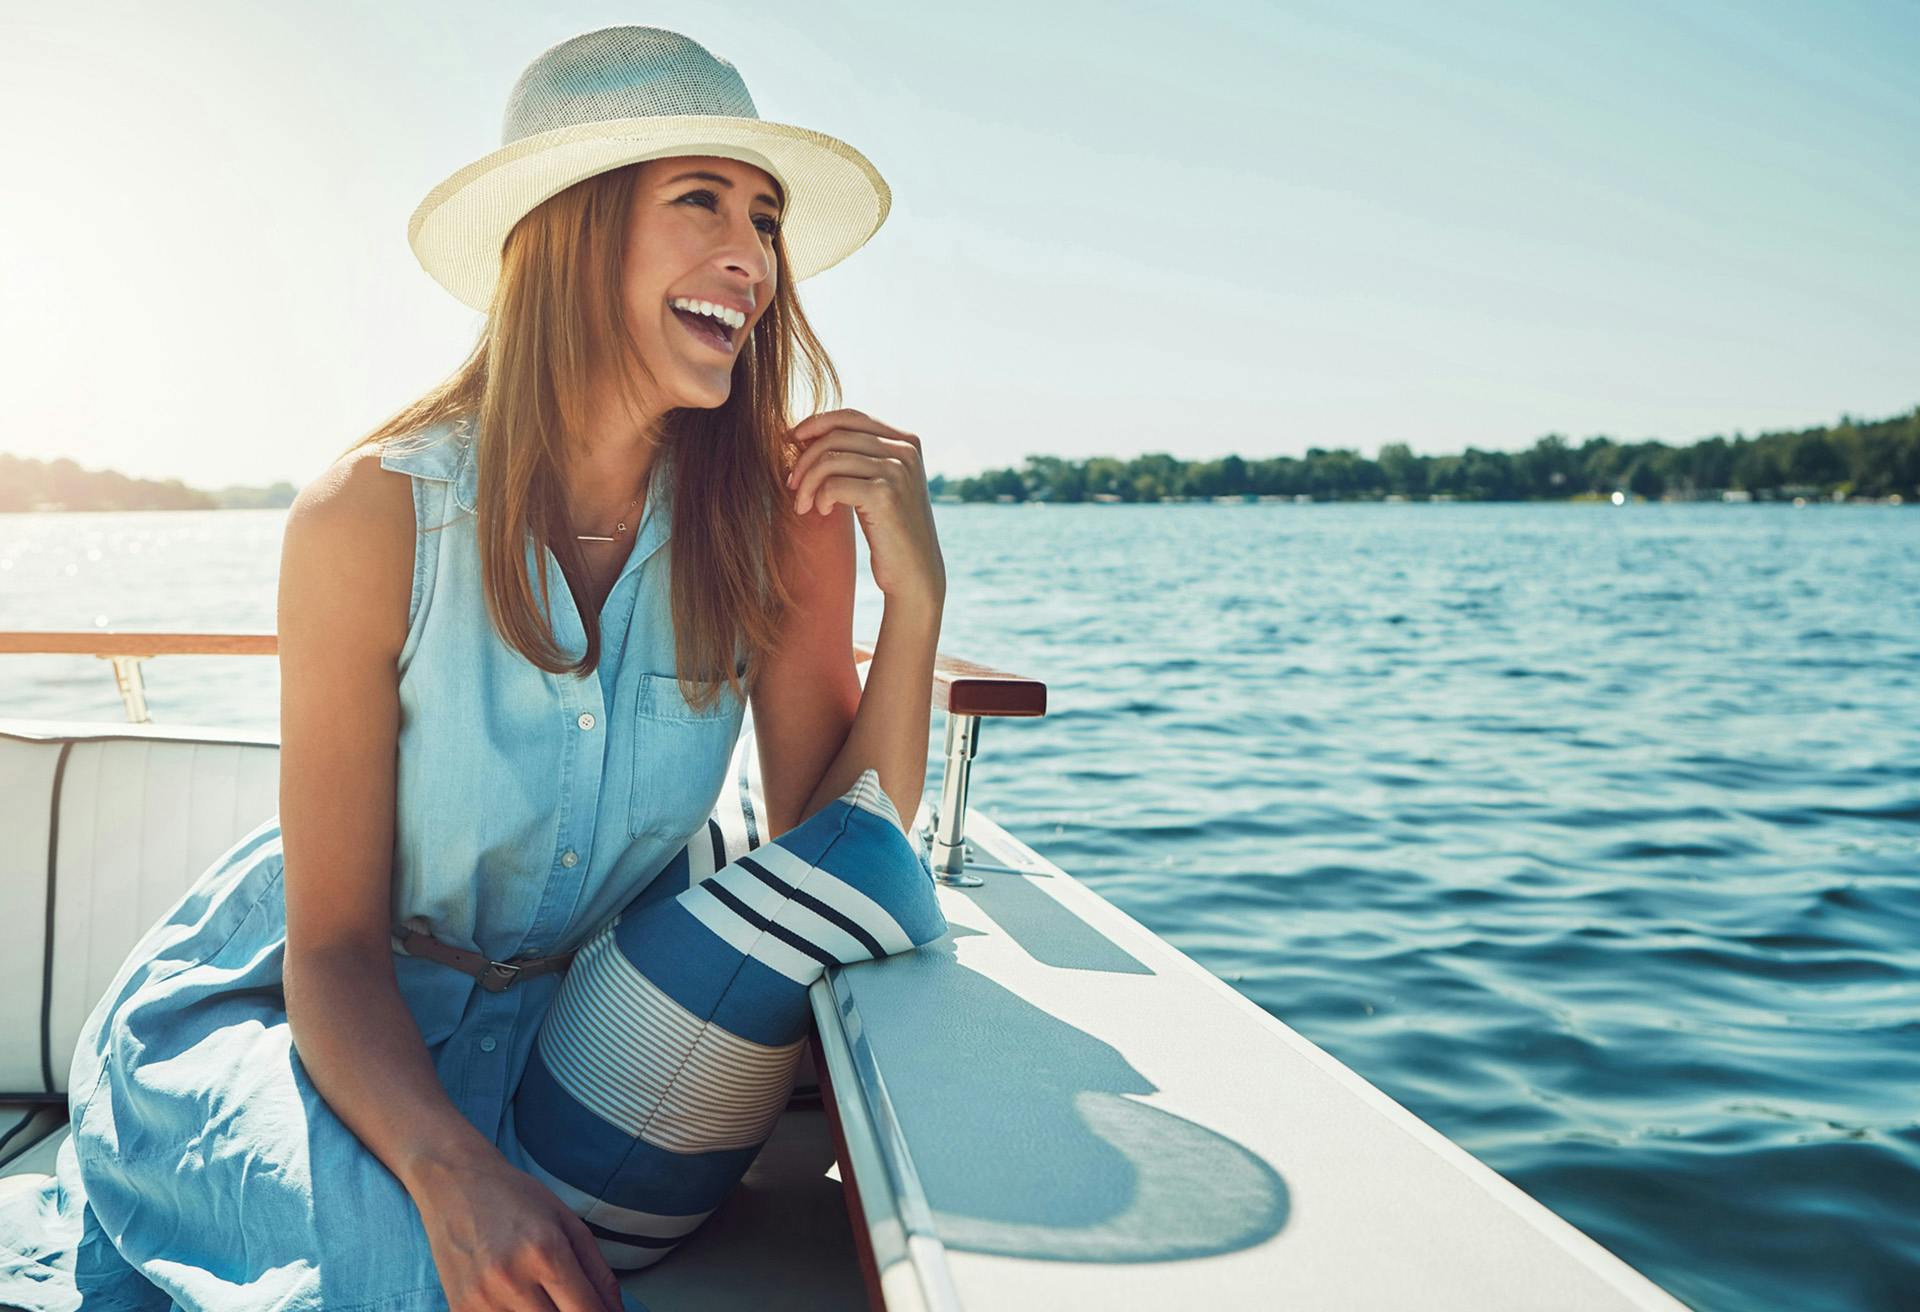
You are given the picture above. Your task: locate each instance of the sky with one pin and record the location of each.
(1117, 227)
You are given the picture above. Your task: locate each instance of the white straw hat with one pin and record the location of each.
(624, 94)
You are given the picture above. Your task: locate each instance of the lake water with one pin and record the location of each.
(1589, 834)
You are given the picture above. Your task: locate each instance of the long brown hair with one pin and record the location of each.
(558, 319)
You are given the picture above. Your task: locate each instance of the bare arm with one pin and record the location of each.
(806, 697)
(889, 732)
(346, 575)
(499, 1237)
(816, 727)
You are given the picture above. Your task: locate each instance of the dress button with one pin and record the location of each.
(569, 858)
(586, 719)
(487, 1044)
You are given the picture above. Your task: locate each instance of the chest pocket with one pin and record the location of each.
(680, 757)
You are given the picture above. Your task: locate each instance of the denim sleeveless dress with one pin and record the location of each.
(204, 1170)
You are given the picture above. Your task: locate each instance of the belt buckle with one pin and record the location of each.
(498, 975)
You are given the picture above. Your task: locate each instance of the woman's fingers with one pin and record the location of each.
(845, 440)
(902, 448)
(852, 459)
(858, 491)
(841, 463)
(851, 420)
(592, 1261)
(571, 1290)
(502, 1242)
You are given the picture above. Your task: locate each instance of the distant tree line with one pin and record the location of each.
(1854, 458)
(1876, 458)
(62, 485)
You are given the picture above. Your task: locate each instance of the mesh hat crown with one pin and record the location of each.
(618, 96)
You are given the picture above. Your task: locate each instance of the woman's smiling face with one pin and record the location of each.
(701, 231)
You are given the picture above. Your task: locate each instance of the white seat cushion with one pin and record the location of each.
(105, 828)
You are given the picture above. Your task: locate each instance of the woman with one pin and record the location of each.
(504, 709)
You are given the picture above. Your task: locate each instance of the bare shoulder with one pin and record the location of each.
(346, 578)
(356, 490)
(347, 554)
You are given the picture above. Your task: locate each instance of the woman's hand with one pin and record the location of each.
(851, 459)
(502, 1242)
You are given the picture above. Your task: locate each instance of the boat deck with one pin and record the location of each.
(1048, 1107)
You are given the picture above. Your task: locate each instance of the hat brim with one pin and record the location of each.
(836, 199)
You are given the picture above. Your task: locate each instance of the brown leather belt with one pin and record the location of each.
(492, 975)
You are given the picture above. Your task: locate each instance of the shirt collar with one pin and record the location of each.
(444, 451)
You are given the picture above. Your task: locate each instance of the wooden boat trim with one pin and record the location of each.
(138, 642)
(960, 687)
(965, 688)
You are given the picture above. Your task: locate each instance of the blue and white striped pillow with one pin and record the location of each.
(670, 1049)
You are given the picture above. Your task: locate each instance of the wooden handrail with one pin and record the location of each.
(134, 642)
(960, 687)
(965, 688)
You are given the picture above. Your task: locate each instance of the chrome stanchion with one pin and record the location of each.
(948, 853)
(126, 673)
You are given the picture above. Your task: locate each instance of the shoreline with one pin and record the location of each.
(1789, 503)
